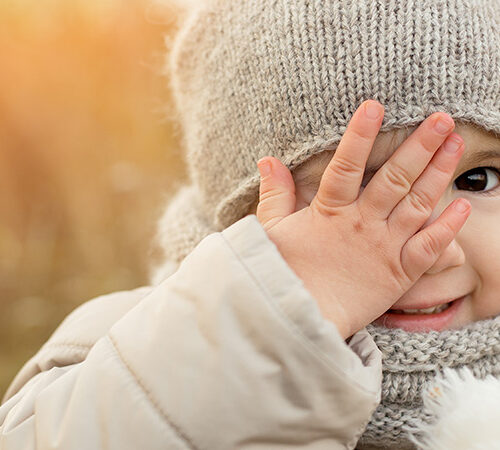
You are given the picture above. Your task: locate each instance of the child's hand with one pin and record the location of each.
(358, 253)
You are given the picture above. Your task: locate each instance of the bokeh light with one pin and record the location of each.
(88, 157)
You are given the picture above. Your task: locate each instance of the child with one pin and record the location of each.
(284, 329)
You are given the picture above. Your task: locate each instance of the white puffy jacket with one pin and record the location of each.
(230, 352)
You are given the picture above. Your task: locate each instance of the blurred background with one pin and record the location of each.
(88, 157)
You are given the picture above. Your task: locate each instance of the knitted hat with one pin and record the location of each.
(253, 78)
(283, 78)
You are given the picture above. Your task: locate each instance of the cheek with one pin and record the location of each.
(480, 240)
(481, 236)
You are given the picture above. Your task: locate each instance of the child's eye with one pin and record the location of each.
(479, 179)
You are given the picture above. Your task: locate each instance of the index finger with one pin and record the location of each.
(342, 177)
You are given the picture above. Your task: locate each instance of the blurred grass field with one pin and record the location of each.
(88, 157)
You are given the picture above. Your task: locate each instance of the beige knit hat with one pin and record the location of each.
(283, 78)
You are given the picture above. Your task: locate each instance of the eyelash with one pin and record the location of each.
(495, 168)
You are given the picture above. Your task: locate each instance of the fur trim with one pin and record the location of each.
(466, 412)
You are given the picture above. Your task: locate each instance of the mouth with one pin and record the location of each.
(434, 318)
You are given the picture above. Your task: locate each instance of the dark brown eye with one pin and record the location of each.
(478, 179)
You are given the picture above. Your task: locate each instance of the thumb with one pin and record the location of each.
(276, 192)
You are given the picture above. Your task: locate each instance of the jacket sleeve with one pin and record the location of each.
(229, 352)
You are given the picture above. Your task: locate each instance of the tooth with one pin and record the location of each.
(428, 310)
(432, 310)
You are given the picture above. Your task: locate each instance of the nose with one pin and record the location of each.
(452, 256)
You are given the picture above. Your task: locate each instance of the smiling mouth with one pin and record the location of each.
(438, 317)
(435, 309)
(432, 310)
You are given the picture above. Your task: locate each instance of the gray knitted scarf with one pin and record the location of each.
(411, 361)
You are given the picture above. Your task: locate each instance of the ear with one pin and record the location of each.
(466, 413)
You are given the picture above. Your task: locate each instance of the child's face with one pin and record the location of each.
(470, 266)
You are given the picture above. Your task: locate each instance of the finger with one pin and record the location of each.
(423, 250)
(395, 178)
(342, 178)
(413, 211)
(276, 192)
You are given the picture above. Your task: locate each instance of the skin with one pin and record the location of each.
(467, 262)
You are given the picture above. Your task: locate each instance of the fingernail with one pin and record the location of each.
(453, 144)
(443, 125)
(372, 110)
(264, 166)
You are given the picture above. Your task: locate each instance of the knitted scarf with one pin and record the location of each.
(411, 361)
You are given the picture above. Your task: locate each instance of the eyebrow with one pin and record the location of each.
(470, 159)
(478, 157)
